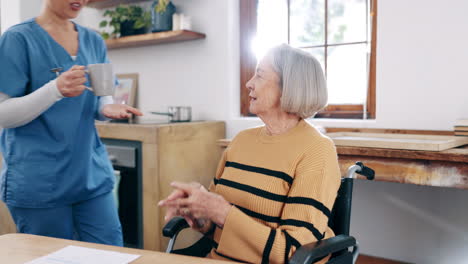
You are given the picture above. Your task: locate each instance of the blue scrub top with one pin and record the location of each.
(57, 159)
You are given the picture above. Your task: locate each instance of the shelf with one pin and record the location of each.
(153, 39)
(111, 3)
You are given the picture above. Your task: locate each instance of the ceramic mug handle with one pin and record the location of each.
(89, 88)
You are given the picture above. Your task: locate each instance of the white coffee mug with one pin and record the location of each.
(101, 78)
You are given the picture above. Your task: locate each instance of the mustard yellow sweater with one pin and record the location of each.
(282, 189)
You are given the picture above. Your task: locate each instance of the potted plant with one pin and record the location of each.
(161, 15)
(126, 21)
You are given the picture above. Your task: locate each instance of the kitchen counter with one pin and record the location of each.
(448, 168)
(184, 151)
(170, 151)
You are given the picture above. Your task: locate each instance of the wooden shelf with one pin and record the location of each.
(153, 39)
(111, 3)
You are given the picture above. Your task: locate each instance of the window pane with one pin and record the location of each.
(347, 21)
(307, 22)
(319, 54)
(272, 25)
(347, 74)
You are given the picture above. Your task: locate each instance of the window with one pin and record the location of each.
(339, 33)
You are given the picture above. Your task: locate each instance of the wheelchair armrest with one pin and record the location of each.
(174, 226)
(314, 251)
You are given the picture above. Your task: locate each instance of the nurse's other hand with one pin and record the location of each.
(71, 83)
(119, 111)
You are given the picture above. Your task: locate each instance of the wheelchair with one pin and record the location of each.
(338, 246)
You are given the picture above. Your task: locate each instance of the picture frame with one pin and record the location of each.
(126, 90)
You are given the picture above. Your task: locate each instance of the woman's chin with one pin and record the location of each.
(252, 110)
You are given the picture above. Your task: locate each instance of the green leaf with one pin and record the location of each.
(139, 24)
(161, 6)
(103, 23)
(105, 35)
(138, 16)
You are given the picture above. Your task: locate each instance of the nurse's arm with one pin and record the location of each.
(18, 111)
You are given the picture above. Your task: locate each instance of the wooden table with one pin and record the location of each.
(20, 248)
(448, 168)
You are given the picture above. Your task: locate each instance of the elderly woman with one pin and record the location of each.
(276, 184)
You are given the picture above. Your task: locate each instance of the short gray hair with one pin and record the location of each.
(303, 85)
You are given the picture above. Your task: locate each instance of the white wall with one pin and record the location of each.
(200, 73)
(18, 10)
(421, 79)
(10, 13)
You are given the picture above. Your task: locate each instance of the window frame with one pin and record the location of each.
(248, 61)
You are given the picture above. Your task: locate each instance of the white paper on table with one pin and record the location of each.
(83, 255)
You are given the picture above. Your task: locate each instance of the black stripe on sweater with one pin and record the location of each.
(293, 241)
(253, 190)
(309, 226)
(266, 218)
(288, 247)
(309, 201)
(224, 256)
(278, 174)
(268, 246)
(291, 222)
(276, 197)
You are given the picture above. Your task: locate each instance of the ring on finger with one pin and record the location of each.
(185, 211)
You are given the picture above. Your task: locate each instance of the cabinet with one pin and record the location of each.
(170, 152)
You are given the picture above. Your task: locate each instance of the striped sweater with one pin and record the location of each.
(282, 189)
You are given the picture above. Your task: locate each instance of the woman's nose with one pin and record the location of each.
(249, 85)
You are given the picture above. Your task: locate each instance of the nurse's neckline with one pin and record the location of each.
(77, 29)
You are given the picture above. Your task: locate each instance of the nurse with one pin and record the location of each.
(56, 177)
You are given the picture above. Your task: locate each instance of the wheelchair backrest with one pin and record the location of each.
(341, 213)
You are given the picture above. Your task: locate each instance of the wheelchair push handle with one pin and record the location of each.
(360, 168)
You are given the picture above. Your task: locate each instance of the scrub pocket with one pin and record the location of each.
(101, 161)
(33, 182)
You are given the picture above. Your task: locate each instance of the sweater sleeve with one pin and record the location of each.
(304, 218)
(219, 170)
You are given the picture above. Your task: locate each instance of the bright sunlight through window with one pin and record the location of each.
(336, 32)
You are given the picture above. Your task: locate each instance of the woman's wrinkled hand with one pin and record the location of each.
(194, 201)
(201, 225)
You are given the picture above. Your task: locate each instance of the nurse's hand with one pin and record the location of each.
(71, 83)
(119, 111)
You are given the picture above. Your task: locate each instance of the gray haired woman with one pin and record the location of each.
(276, 184)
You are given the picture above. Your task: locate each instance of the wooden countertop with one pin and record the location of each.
(459, 154)
(447, 168)
(147, 133)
